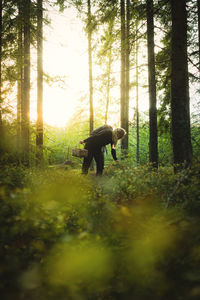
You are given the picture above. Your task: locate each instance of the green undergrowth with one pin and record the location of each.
(129, 234)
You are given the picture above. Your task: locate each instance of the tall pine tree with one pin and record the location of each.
(123, 70)
(181, 139)
(25, 105)
(1, 32)
(153, 136)
(89, 27)
(39, 134)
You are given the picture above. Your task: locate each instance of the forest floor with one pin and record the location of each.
(129, 234)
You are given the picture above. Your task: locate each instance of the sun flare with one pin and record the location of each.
(58, 108)
(65, 56)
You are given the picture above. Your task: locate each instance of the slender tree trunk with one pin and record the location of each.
(137, 102)
(39, 134)
(26, 88)
(110, 30)
(108, 84)
(181, 139)
(127, 75)
(123, 70)
(198, 6)
(137, 91)
(91, 124)
(18, 112)
(19, 76)
(2, 133)
(90, 68)
(153, 135)
(1, 31)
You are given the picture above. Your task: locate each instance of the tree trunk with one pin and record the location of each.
(110, 30)
(39, 134)
(198, 7)
(2, 133)
(123, 71)
(19, 76)
(127, 75)
(181, 139)
(25, 110)
(137, 102)
(153, 135)
(108, 86)
(136, 44)
(90, 68)
(1, 31)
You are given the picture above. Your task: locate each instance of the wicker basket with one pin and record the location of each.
(79, 152)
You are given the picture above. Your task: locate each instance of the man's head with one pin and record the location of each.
(120, 132)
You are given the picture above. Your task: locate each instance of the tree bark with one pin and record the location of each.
(19, 75)
(39, 134)
(108, 85)
(137, 102)
(110, 29)
(198, 11)
(25, 110)
(153, 135)
(1, 31)
(90, 68)
(181, 139)
(109, 66)
(127, 74)
(2, 133)
(123, 71)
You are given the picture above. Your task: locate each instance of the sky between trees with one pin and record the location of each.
(66, 58)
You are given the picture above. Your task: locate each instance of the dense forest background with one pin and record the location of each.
(134, 232)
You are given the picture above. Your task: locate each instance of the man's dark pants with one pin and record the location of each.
(97, 154)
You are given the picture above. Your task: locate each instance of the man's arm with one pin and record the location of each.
(113, 152)
(87, 140)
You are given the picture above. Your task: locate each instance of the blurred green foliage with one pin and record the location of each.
(69, 236)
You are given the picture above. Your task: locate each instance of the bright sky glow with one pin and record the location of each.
(65, 55)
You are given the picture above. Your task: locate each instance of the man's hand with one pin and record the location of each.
(81, 142)
(117, 162)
